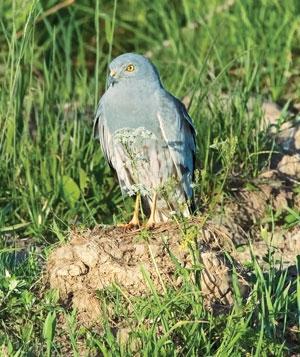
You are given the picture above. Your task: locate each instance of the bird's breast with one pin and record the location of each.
(131, 109)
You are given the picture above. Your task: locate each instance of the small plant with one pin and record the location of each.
(49, 330)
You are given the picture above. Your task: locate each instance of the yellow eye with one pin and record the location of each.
(130, 68)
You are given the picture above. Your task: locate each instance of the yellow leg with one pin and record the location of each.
(135, 219)
(151, 221)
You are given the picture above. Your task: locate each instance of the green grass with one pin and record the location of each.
(53, 175)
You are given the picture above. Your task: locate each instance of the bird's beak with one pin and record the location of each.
(112, 78)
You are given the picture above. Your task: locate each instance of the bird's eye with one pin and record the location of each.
(130, 68)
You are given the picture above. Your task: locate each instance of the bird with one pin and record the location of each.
(148, 139)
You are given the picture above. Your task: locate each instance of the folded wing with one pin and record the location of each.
(102, 133)
(179, 133)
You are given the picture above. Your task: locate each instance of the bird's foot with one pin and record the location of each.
(150, 224)
(127, 226)
(134, 223)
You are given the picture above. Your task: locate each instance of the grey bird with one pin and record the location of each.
(148, 138)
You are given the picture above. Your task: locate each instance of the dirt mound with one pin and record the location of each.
(99, 258)
(96, 259)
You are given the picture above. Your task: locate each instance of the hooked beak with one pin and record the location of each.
(112, 78)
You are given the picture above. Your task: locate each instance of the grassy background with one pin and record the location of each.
(53, 62)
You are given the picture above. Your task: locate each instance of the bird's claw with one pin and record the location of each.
(130, 226)
(150, 224)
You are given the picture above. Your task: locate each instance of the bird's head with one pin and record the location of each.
(131, 66)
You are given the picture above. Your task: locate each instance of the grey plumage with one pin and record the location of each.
(146, 136)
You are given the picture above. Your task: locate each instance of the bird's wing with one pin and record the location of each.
(102, 133)
(179, 133)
